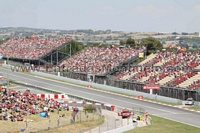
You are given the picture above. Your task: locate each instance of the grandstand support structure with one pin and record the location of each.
(54, 57)
(57, 55)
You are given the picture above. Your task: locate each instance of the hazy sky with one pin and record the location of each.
(121, 15)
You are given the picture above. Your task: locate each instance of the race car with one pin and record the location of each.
(125, 113)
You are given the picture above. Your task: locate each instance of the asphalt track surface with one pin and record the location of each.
(23, 89)
(173, 113)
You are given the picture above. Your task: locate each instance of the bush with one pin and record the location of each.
(90, 108)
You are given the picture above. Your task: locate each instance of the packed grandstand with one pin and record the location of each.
(97, 60)
(30, 48)
(167, 68)
(171, 69)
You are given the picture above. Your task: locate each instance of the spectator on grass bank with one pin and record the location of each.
(58, 121)
(146, 118)
(16, 105)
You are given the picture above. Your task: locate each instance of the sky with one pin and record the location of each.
(117, 15)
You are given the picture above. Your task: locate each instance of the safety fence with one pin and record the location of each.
(113, 124)
(65, 120)
(57, 119)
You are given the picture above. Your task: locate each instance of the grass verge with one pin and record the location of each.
(193, 107)
(40, 124)
(161, 125)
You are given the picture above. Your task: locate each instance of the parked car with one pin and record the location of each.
(125, 113)
(189, 101)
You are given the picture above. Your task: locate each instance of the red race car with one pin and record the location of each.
(125, 113)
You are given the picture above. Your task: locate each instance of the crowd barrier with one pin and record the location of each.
(53, 96)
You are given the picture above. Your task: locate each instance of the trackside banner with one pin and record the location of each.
(151, 86)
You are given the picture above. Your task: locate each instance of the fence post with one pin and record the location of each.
(107, 126)
(99, 129)
(49, 124)
(80, 116)
(150, 120)
(93, 114)
(115, 123)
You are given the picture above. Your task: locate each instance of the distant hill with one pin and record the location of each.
(99, 36)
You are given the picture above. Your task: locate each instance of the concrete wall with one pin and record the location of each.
(110, 88)
(123, 129)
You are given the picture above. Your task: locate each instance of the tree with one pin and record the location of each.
(194, 46)
(76, 47)
(151, 45)
(122, 42)
(130, 42)
(5, 40)
(1, 42)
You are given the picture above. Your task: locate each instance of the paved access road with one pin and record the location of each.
(184, 116)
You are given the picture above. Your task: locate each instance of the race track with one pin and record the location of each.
(173, 113)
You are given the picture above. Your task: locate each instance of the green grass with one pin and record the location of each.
(75, 128)
(193, 107)
(161, 125)
(41, 124)
(162, 102)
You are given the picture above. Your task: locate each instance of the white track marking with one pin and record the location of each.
(91, 93)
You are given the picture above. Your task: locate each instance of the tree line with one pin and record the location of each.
(151, 44)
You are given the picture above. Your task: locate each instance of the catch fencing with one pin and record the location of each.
(73, 125)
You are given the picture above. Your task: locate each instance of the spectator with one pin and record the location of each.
(30, 48)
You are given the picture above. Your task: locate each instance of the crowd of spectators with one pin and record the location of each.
(180, 66)
(30, 48)
(98, 60)
(126, 71)
(15, 105)
(185, 59)
(195, 85)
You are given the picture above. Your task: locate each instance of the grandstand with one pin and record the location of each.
(34, 50)
(177, 73)
(98, 61)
